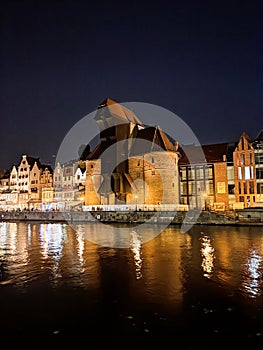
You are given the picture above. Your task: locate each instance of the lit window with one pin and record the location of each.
(239, 173)
(247, 173)
(251, 172)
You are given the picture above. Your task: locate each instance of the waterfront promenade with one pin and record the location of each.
(173, 217)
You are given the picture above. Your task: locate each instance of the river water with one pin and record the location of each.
(202, 288)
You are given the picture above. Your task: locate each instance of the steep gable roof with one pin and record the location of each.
(111, 109)
(46, 166)
(32, 160)
(156, 140)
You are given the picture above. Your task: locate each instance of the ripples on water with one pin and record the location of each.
(167, 284)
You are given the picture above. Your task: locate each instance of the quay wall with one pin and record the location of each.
(178, 217)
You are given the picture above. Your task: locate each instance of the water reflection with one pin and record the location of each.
(51, 237)
(135, 245)
(252, 274)
(55, 255)
(207, 253)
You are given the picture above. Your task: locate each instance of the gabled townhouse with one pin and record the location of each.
(64, 183)
(29, 184)
(58, 186)
(244, 172)
(47, 188)
(14, 179)
(41, 178)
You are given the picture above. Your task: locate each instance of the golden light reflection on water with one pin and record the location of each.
(207, 253)
(252, 274)
(135, 245)
(165, 266)
(80, 240)
(51, 236)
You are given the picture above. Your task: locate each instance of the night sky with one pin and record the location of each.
(203, 60)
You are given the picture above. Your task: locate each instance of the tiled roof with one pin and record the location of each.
(212, 153)
(99, 149)
(155, 140)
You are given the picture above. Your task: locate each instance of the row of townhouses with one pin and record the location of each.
(157, 173)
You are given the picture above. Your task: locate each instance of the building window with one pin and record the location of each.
(251, 172)
(138, 164)
(210, 187)
(251, 187)
(231, 189)
(152, 160)
(191, 186)
(260, 188)
(183, 173)
(239, 170)
(259, 173)
(242, 159)
(191, 173)
(241, 199)
(247, 173)
(209, 172)
(242, 144)
(199, 173)
(183, 188)
(91, 166)
(245, 188)
(153, 172)
(258, 158)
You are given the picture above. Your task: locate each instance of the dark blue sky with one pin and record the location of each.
(203, 60)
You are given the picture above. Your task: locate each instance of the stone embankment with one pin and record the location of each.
(163, 217)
